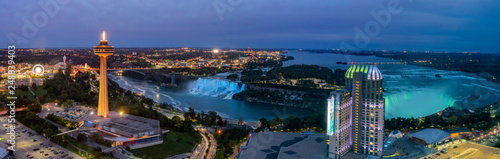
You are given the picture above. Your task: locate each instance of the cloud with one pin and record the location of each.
(319, 24)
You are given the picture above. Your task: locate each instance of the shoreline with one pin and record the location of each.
(178, 109)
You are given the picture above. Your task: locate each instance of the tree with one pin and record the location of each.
(293, 123)
(240, 122)
(263, 123)
(49, 133)
(41, 99)
(232, 77)
(33, 86)
(220, 121)
(276, 121)
(35, 108)
(82, 138)
(190, 114)
(497, 145)
(68, 103)
(177, 122)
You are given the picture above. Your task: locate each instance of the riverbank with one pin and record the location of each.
(313, 100)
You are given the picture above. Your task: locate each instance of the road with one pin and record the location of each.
(213, 145)
(492, 132)
(25, 145)
(201, 149)
(29, 88)
(206, 143)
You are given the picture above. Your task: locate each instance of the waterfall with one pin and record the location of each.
(215, 88)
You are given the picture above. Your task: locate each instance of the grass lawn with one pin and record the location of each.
(79, 145)
(40, 91)
(174, 143)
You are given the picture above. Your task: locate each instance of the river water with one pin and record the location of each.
(410, 91)
(209, 94)
(413, 91)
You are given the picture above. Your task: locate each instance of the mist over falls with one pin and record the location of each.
(215, 88)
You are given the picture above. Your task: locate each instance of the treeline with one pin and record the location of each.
(36, 123)
(210, 119)
(300, 72)
(477, 121)
(293, 123)
(268, 63)
(21, 101)
(61, 121)
(227, 140)
(63, 87)
(472, 63)
(309, 71)
(203, 71)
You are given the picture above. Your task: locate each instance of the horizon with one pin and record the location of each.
(446, 26)
(339, 51)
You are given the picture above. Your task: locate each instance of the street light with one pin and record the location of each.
(121, 113)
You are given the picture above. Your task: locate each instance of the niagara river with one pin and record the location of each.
(409, 91)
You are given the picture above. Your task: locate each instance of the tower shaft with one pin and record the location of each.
(103, 109)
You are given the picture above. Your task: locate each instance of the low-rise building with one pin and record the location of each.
(127, 130)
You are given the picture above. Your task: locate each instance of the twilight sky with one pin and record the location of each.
(444, 25)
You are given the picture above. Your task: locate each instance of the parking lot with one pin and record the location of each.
(468, 150)
(31, 145)
(74, 113)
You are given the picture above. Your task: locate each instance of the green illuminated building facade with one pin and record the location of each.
(366, 113)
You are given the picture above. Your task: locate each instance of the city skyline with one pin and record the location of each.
(235, 79)
(454, 27)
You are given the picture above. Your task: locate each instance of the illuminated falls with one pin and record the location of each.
(416, 104)
(215, 88)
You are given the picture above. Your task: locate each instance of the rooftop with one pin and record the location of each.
(133, 124)
(458, 130)
(311, 147)
(430, 135)
(126, 124)
(273, 145)
(471, 150)
(371, 72)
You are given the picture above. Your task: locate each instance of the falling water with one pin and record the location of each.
(215, 88)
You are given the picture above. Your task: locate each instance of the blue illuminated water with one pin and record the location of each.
(209, 94)
(410, 91)
(215, 88)
(413, 91)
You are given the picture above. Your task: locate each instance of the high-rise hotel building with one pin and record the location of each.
(355, 115)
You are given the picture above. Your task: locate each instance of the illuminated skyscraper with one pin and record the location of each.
(362, 100)
(339, 123)
(103, 50)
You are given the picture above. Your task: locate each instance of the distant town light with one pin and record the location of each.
(216, 50)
